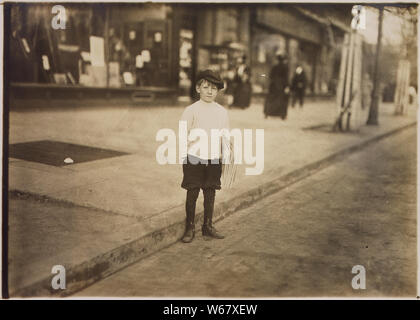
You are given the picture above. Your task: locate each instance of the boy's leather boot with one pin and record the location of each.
(189, 234)
(208, 230)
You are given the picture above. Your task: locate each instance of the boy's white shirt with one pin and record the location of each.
(206, 116)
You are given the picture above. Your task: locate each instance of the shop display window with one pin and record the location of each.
(186, 39)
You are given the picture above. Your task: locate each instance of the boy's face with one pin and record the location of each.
(208, 91)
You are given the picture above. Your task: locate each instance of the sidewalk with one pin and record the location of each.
(97, 217)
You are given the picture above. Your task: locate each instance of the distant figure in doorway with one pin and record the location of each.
(298, 86)
(278, 92)
(242, 84)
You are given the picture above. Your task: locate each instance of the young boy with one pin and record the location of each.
(203, 171)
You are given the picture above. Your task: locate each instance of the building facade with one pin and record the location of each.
(309, 35)
(161, 46)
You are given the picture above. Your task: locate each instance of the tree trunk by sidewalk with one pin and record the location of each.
(373, 112)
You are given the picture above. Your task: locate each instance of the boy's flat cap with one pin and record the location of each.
(212, 77)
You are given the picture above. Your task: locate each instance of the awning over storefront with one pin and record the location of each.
(286, 22)
(326, 21)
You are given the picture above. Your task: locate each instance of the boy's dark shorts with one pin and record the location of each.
(200, 175)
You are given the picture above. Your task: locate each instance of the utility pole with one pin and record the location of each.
(373, 111)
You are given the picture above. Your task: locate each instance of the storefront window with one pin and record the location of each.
(97, 47)
(140, 49)
(186, 38)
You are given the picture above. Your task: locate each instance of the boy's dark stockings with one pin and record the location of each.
(190, 206)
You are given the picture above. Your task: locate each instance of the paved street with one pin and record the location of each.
(302, 241)
(103, 214)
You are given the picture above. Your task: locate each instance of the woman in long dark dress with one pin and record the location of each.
(278, 93)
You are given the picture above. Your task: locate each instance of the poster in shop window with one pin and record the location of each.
(97, 52)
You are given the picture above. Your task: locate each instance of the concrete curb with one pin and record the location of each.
(87, 273)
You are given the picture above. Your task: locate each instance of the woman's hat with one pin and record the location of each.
(212, 77)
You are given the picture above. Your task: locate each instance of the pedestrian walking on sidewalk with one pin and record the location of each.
(278, 93)
(298, 86)
(243, 89)
(203, 171)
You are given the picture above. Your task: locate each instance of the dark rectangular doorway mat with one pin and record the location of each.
(55, 152)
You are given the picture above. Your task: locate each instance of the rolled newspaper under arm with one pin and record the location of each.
(229, 168)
